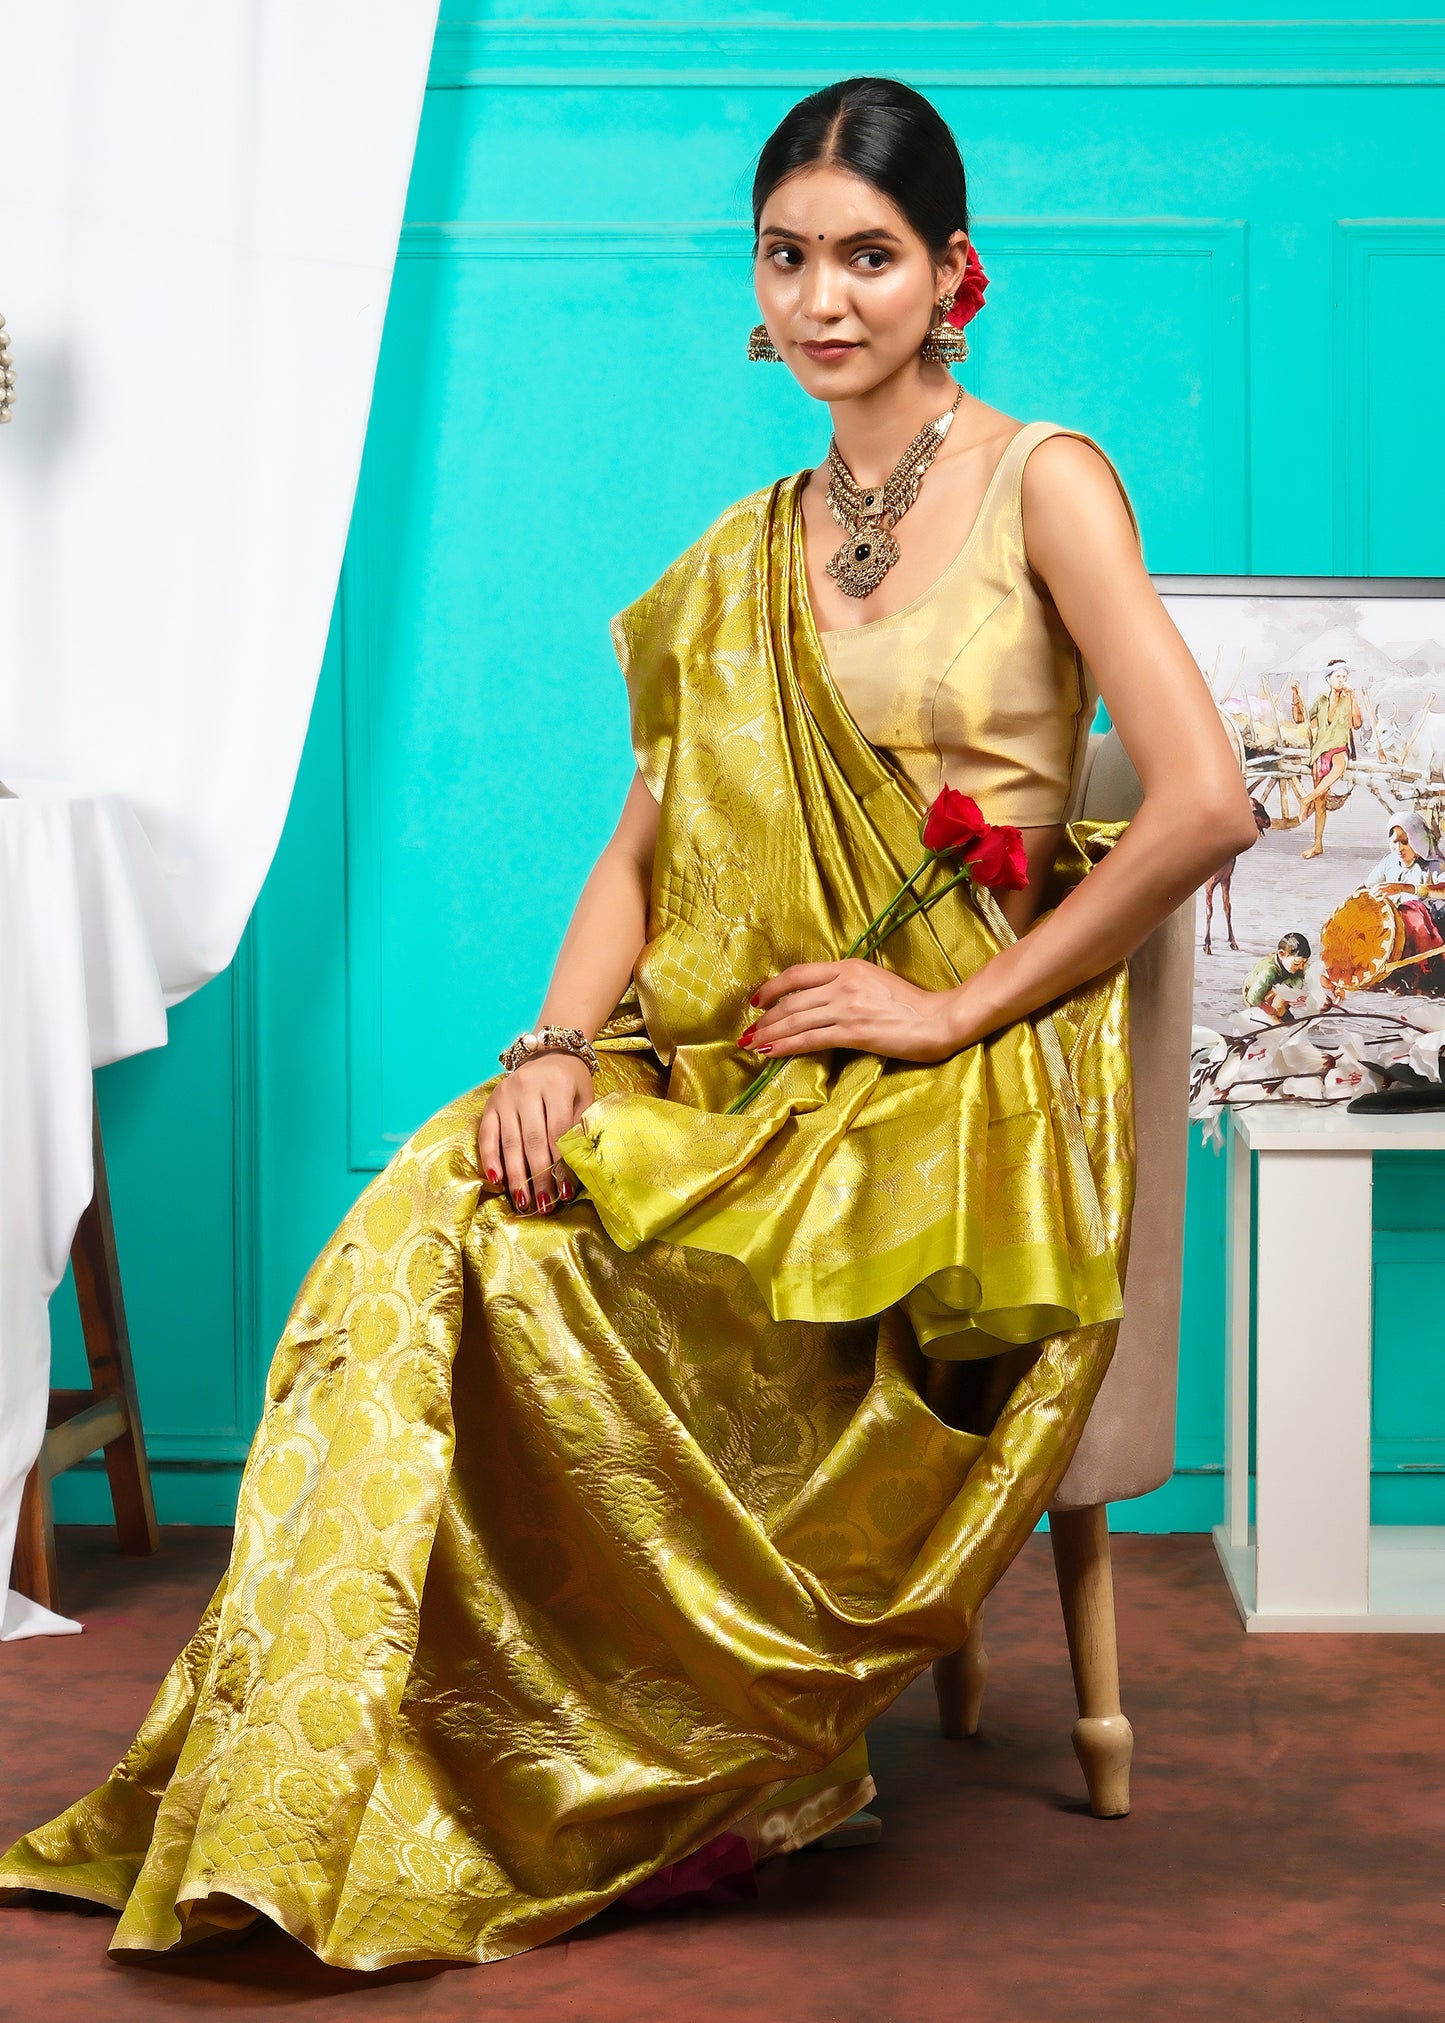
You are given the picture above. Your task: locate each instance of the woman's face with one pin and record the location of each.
(1404, 848)
(847, 288)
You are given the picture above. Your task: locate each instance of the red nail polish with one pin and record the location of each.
(755, 996)
(743, 1041)
(520, 1199)
(544, 1201)
(493, 1177)
(764, 1046)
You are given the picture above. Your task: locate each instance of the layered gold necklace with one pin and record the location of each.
(870, 514)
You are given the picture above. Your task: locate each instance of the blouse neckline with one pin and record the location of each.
(949, 569)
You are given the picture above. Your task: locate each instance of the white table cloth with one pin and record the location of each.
(90, 953)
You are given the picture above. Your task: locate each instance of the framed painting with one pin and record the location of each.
(1321, 950)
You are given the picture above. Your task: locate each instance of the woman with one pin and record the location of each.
(1409, 871)
(597, 1506)
(1408, 862)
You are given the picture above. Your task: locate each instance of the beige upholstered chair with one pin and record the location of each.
(1128, 1444)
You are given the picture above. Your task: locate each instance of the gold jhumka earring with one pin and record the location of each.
(945, 344)
(761, 348)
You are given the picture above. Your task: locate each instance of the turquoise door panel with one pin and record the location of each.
(1390, 297)
(1144, 333)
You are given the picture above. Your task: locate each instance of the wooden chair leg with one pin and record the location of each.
(107, 1348)
(33, 1571)
(958, 1681)
(1103, 1739)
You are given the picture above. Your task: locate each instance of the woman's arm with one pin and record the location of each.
(530, 1108)
(1194, 815)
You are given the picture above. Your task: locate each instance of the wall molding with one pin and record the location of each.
(1224, 243)
(367, 1149)
(253, 1356)
(1401, 1257)
(982, 55)
(588, 238)
(226, 1446)
(1357, 241)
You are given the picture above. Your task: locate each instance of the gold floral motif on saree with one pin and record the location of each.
(569, 1542)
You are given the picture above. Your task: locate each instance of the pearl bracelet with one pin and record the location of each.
(548, 1040)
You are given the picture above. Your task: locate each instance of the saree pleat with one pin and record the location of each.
(568, 1543)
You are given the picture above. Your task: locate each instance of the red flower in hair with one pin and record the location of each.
(969, 299)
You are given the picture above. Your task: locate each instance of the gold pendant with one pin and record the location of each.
(864, 559)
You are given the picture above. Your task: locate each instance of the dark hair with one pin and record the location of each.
(883, 131)
(1294, 944)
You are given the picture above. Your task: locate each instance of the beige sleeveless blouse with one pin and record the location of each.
(977, 684)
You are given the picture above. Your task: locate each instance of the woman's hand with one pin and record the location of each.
(526, 1114)
(530, 1109)
(813, 1005)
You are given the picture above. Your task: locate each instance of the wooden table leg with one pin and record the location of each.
(107, 1416)
(33, 1570)
(107, 1348)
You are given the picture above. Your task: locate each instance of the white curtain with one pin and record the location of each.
(199, 212)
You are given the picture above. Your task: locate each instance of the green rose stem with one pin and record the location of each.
(869, 941)
(965, 876)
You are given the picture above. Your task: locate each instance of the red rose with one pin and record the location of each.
(969, 299)
(1000, 861)
(954, 823)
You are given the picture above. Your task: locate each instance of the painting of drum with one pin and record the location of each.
(1332, 691)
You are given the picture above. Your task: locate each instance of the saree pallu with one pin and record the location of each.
(569, 1543)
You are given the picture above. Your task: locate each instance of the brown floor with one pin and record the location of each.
(1286, 1857)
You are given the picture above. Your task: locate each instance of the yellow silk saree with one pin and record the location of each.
(568, 1543)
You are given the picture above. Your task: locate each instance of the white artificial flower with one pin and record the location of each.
(1203, 1040)
(1350, 1077)
(1299, 1056)
(1424, 1055)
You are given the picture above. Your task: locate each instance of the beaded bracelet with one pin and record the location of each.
(548, 1040)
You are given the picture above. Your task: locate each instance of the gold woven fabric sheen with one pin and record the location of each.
(977, 683)
(567, 1542)
(851, 1182)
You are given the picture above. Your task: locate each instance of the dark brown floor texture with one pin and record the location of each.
(1284, 1859)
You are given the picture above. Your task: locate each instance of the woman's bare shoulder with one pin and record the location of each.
(1068, 463)
(1072, 496)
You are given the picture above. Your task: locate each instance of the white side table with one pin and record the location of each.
(1312, 1560)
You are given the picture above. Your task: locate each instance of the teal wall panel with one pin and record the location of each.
(1218, 246)
(1389, 306)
